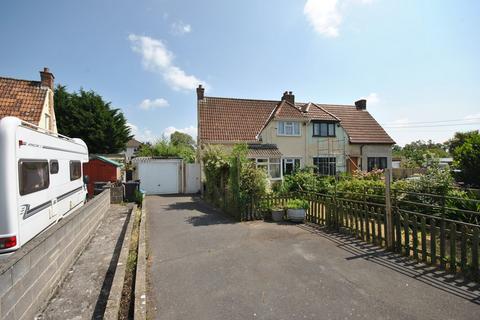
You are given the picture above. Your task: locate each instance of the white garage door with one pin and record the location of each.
(159, 177)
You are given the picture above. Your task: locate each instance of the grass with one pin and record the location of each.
(127, 302)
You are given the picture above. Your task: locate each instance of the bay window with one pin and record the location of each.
(271, 166)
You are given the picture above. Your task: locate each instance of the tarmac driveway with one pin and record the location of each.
(204, 265)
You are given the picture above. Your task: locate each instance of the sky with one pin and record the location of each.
(415, 61)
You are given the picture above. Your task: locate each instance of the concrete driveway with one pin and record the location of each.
(204, 265)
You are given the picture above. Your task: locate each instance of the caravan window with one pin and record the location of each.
(33, 176)
(53, 166)
(75, 170)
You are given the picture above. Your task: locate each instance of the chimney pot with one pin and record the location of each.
(361, 104)
(47, 78)
(200, 92)
(289, 96)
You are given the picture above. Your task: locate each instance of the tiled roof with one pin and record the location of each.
(132, 143)
(315, 112)
(360, 126)
(226, 119)
(287, 111)
(263, 151)
(22, 99)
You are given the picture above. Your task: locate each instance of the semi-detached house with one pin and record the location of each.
(283, 135)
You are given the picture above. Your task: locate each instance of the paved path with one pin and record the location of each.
(84, 292)
(203, 265)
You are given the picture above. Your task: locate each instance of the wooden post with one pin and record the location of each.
(388, 211)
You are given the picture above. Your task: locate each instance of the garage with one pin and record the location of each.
(159, 176)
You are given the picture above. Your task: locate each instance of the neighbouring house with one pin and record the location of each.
(283, 135)
(131, 149)
(31, 101)
(101, 169)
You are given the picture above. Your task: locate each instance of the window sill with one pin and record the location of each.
(289, 135)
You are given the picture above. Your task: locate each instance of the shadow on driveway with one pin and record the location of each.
(433, 276)
(205, 214)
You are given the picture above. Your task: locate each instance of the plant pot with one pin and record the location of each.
(297, 215)
(277, 215)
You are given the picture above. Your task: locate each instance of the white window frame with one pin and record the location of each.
(291, 159)
(283, 125)
(260, 162)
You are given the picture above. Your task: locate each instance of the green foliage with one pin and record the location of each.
(297, 204)
(459, 139)
(306, 180)
(182, 139)
(165, 148)
(253, 182)
(216, 168)
(415, 151)
(467, 158)
(87, 116)
(138, 198)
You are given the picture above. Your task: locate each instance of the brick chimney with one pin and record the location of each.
(361, 104)
(200, 92)
(47, 78)
(289, 96)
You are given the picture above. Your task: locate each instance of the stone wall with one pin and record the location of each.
(29, 277)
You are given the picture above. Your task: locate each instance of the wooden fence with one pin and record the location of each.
(425, 235)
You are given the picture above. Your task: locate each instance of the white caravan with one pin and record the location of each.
(40, 180)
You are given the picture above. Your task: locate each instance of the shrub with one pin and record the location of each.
(297, 204)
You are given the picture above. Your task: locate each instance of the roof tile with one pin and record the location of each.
(23, 99)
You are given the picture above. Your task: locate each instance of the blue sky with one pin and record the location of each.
(417, 62)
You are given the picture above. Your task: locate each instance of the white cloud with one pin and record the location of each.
(142, 135)
(157, 58)
(180, 28)
(372, 99)
(148, 104)
(188, 130)
(325, 16)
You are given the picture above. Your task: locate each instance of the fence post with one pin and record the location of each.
(388, 211)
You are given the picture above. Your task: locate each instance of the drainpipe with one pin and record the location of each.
(361, 155)
(306, 144)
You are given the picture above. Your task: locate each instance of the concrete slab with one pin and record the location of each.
(203, 265)
(84, 292)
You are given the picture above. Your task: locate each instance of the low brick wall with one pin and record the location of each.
(29, 277)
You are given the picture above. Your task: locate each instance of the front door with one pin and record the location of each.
(352, 164)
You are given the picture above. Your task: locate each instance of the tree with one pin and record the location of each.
(87, 116)
(458, 139)
(415, 152)
(165, 148)
(467, 158)
(182, 139)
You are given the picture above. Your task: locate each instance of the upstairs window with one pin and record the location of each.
(324, 129)
(288, 128)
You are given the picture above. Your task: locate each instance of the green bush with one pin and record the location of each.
(297, 204)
